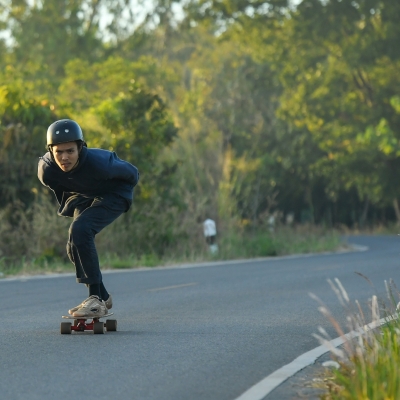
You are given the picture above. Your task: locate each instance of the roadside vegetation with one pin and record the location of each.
(238, 111)
(369, 365)
(117, 249)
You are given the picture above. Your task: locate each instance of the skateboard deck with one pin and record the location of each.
(85, 318)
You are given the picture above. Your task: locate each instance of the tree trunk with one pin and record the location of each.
(309, 201)
(396, 210)
(363, 217)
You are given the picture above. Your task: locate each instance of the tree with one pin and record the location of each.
(23, 125)
(338, 85)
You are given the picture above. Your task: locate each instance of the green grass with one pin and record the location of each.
(238, 244)
(113, 261)
(22, 266)
(370, 365)
(284, 241)
(373, 371)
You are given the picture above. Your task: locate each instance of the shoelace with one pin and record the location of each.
(92, 299)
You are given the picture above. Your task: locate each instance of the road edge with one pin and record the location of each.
(352, 248)
(264, 387)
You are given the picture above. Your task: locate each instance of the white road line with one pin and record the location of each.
(172, 287)
(272, 381)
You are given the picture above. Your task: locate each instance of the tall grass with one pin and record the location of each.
(370, 364)
(34, 239)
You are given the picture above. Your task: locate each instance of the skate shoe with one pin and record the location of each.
(107, 302)
(92, 307)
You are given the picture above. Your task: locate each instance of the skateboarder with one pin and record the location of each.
(94, 187)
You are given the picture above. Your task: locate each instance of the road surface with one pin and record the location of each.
(208, 332)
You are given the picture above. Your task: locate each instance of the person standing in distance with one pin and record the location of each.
(210, 233)
(93, 187)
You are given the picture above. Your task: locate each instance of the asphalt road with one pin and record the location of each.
(208, 332)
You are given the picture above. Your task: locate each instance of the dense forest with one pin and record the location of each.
(231, 109)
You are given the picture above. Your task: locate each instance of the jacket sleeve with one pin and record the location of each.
(123, 170)
(46, 174)
(41, 168)
(44, 177)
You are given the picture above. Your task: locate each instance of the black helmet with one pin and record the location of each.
(63, 131)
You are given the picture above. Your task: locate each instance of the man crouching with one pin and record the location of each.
(94, 187)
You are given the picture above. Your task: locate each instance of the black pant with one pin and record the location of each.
(90, 217)
(210, 239)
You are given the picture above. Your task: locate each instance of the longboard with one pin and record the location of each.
(82, 324)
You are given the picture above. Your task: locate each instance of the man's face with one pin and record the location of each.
(66, 155)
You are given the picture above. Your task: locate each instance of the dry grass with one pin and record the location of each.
(370, 363)
(37, 245)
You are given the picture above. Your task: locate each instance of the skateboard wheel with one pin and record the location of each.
(65, 328)
(98, 328)
(111, 325)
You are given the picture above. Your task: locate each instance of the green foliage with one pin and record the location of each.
(338, 88)
(23, 123)
(47, 34)
(237, 110)
(139, 127)
(137, 119)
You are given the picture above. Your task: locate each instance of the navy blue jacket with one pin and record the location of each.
(98, 173)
